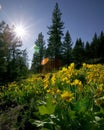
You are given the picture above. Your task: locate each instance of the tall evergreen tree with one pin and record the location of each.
(87, 52)
(78, 52)
(55, 34)
(39, 54)
(67, 48)
(95, 47)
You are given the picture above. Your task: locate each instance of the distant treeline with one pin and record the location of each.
(60, 46)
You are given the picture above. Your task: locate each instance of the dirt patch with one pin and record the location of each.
(8, 118)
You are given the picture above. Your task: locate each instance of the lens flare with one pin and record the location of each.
(36, 48)
(44, 61)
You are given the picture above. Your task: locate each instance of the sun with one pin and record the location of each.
(20, 31)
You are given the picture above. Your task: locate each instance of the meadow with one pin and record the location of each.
(70, 99)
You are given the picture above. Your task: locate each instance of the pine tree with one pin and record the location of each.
(78, 52)
(39, 53)
(55, 34)
(87, 52)
(95, 47)
(67, 49)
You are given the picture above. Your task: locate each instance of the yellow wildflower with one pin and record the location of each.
(58, 91)
(101, 87)
(77, 82)
(48, 91)
(46, 84)
(84, 65)
(64, 79)
(53, 79)
(64, 69)
(72, 65)
(68, 96)
(103, 97)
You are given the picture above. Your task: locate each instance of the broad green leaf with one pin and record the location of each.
(49, 108)
(46, 109)
(43, 110)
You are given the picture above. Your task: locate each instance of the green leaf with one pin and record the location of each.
(72, 115)
(43, 110)
(46, 109)
(82, 105)
(49, 108)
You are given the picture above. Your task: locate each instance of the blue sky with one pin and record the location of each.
(81, 17)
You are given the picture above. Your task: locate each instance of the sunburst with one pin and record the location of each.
(20, 31)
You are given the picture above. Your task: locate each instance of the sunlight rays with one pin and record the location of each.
(20, 31)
